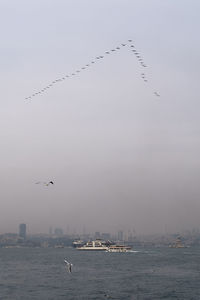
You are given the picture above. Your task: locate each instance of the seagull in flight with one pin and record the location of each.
(45, 183)
(69, 265)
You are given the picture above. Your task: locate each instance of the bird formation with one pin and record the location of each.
(45, 183)
(68, 265)
(129, 44)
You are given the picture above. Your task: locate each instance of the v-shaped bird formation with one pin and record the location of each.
(129, 44)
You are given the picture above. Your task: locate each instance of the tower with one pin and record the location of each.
(22, 230)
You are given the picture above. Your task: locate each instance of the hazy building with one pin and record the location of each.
(97, 235)
(120, 236)
(50, 231)
(105, 236)
(58, 231)
(22, 230)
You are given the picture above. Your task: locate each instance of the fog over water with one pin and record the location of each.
(121, 158)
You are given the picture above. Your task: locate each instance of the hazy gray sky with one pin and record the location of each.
(120, 157)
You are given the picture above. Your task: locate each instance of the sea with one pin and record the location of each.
(144, 274)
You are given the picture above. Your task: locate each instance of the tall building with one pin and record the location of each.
(120, 235)
(22, 230)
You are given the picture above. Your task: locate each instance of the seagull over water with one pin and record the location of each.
(69, 265)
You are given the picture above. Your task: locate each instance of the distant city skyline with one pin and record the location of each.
(58, 239)
(117, 235)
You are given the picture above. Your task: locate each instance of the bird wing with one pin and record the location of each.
(66, 262)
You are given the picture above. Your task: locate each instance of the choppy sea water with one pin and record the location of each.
(160, 273)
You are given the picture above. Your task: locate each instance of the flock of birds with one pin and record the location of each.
(129, 44)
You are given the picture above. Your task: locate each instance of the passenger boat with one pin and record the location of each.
(96, 245)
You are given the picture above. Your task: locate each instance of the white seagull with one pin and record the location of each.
(69, 265)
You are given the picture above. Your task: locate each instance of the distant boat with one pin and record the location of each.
(177, 244)
(77, 243)
(58, 246)
(96, 245)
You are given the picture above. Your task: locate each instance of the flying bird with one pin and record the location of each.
(157, 94)
(69, 265)
(45, 183)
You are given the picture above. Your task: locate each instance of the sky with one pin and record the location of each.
(120, 157)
